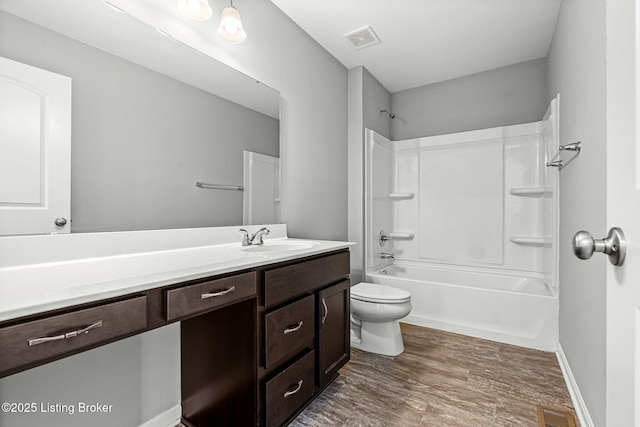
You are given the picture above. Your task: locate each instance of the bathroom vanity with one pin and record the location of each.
(262, 333)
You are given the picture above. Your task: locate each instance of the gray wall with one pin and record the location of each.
(140, 140)
(313, 138)
(576, 64)
(375, 98)
(366, 97)
(504, 96)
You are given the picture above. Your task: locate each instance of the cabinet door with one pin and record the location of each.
(334, 344)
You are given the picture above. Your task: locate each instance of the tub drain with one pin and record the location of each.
(550, 417)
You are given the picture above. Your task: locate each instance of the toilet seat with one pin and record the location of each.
(381, 294)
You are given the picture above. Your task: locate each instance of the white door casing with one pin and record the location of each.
(35, 147)
(623, 210)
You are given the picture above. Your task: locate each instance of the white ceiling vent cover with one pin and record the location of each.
(362, 37)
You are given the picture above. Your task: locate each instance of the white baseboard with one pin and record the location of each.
(578, 403)
(169, 418)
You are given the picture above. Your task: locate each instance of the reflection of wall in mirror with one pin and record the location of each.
(141, 140)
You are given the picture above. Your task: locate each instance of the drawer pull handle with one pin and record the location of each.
(295, 390)
(293, 328)
(326, 311)
(218, 294)
(67, 335)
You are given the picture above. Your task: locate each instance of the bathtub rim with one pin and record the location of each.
(514, 274)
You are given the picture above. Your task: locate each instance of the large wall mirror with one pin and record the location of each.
(151, 117)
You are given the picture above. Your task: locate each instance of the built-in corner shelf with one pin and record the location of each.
(531, 191)
(396, 235)
(531, 240)
(401, 196)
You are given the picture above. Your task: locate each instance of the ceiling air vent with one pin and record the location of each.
(362, 37)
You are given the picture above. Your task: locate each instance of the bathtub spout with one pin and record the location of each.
(385, 255)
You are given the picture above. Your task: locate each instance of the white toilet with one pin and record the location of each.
(375, 314)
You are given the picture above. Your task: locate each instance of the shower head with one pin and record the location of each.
(391, 115)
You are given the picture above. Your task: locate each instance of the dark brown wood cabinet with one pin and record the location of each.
(334, 343)
(289, 390)
(35, 342)
(303, 332)
(257, 345)
(289, 330)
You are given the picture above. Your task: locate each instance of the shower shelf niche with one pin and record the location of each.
(531, 191)
(531, 240)
(401, 196)
(396, 235)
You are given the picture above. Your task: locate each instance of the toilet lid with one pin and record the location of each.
(373, 292)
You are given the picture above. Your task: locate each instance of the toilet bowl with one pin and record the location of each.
(375, 314)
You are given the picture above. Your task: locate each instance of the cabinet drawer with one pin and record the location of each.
(192, 299)
(56, 336)
(288, 330)
(289, 390)
(288, 282)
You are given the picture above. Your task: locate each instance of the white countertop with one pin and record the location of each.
(30, 288)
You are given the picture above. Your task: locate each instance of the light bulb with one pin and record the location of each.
(230, 29)
(231, 26)
(198, 10)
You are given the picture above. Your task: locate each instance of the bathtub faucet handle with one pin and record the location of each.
(383, 238)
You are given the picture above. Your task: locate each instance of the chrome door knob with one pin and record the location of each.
(60, 222)
(614, 245)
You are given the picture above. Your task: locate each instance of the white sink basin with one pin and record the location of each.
(279, 246)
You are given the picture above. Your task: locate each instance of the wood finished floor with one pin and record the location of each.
(441, 380)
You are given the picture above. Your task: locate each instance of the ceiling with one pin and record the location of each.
(428, 41)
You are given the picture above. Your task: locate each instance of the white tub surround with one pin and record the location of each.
(469, 222)
(41, 273)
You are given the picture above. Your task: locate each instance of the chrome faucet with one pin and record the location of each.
(247, 241)
(385, 255)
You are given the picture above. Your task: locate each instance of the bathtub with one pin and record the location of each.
(515, 309)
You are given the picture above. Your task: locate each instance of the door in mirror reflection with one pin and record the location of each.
(261, 181)
(35, 142)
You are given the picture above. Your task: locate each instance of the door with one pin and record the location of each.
(261, 181)
(35, 147)
(334, 345)
(623, 210)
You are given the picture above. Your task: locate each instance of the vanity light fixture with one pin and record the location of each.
(198, 10)
(230, 29)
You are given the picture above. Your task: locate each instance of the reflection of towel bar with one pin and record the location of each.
(558, 163)
(219, 187)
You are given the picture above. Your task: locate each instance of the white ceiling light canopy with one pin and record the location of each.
(198, 10)
(230, 29)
